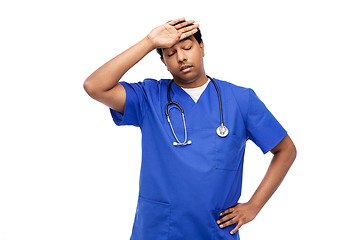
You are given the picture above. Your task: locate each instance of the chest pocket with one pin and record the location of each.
(228, 152)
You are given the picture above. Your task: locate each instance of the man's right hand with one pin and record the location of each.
(168, 34)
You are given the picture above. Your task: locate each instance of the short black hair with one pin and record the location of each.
(197, 36)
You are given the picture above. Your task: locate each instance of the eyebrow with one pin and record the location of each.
(188, 38)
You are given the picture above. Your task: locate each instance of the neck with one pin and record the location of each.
(192, 83)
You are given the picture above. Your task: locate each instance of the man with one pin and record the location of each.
(191, 172)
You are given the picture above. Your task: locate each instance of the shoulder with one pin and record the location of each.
(230, 85)
(154, 82)
(151, 84)
(237, 96)
(241, 94)
(148, 85)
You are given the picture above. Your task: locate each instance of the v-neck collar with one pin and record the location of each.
(179, 95)
(197, 91)
(203, 109)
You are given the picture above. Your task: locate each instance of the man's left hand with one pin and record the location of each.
(241, 214)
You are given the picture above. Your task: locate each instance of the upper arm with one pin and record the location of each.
(114, 98)
(262, 127)
(285, 145)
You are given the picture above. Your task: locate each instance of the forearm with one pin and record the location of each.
(108, 75)
(275, 174)
(102, 85)
(164, 36)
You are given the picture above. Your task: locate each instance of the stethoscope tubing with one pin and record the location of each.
(221, 131)
(220, 104)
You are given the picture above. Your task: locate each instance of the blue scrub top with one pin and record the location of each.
(183, 189)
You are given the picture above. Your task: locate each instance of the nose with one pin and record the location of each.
(181, 56)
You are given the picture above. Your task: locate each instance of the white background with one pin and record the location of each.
(67, 172)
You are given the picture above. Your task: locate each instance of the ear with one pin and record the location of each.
(202, 48)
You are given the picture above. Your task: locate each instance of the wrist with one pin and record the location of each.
(256, 205)
(148, 41)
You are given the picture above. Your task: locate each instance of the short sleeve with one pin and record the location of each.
(135, 106)
(262, 127)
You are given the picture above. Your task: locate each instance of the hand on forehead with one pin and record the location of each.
(185, 28)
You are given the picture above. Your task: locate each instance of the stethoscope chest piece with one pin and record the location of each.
(222, 131)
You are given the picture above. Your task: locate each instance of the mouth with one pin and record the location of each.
(185, 68)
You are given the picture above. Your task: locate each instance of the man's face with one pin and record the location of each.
(184, 60)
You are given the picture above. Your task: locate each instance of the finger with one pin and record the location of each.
(175, 21)
(235, 229)
(224, 219)
(188, 34)
(183, 24)
(188, 28)
(227, 211)
(228, 223)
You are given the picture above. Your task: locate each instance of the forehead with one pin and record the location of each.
(188, 39)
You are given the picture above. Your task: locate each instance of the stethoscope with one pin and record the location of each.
(221, 131)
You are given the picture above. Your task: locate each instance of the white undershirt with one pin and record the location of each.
(195, 93)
